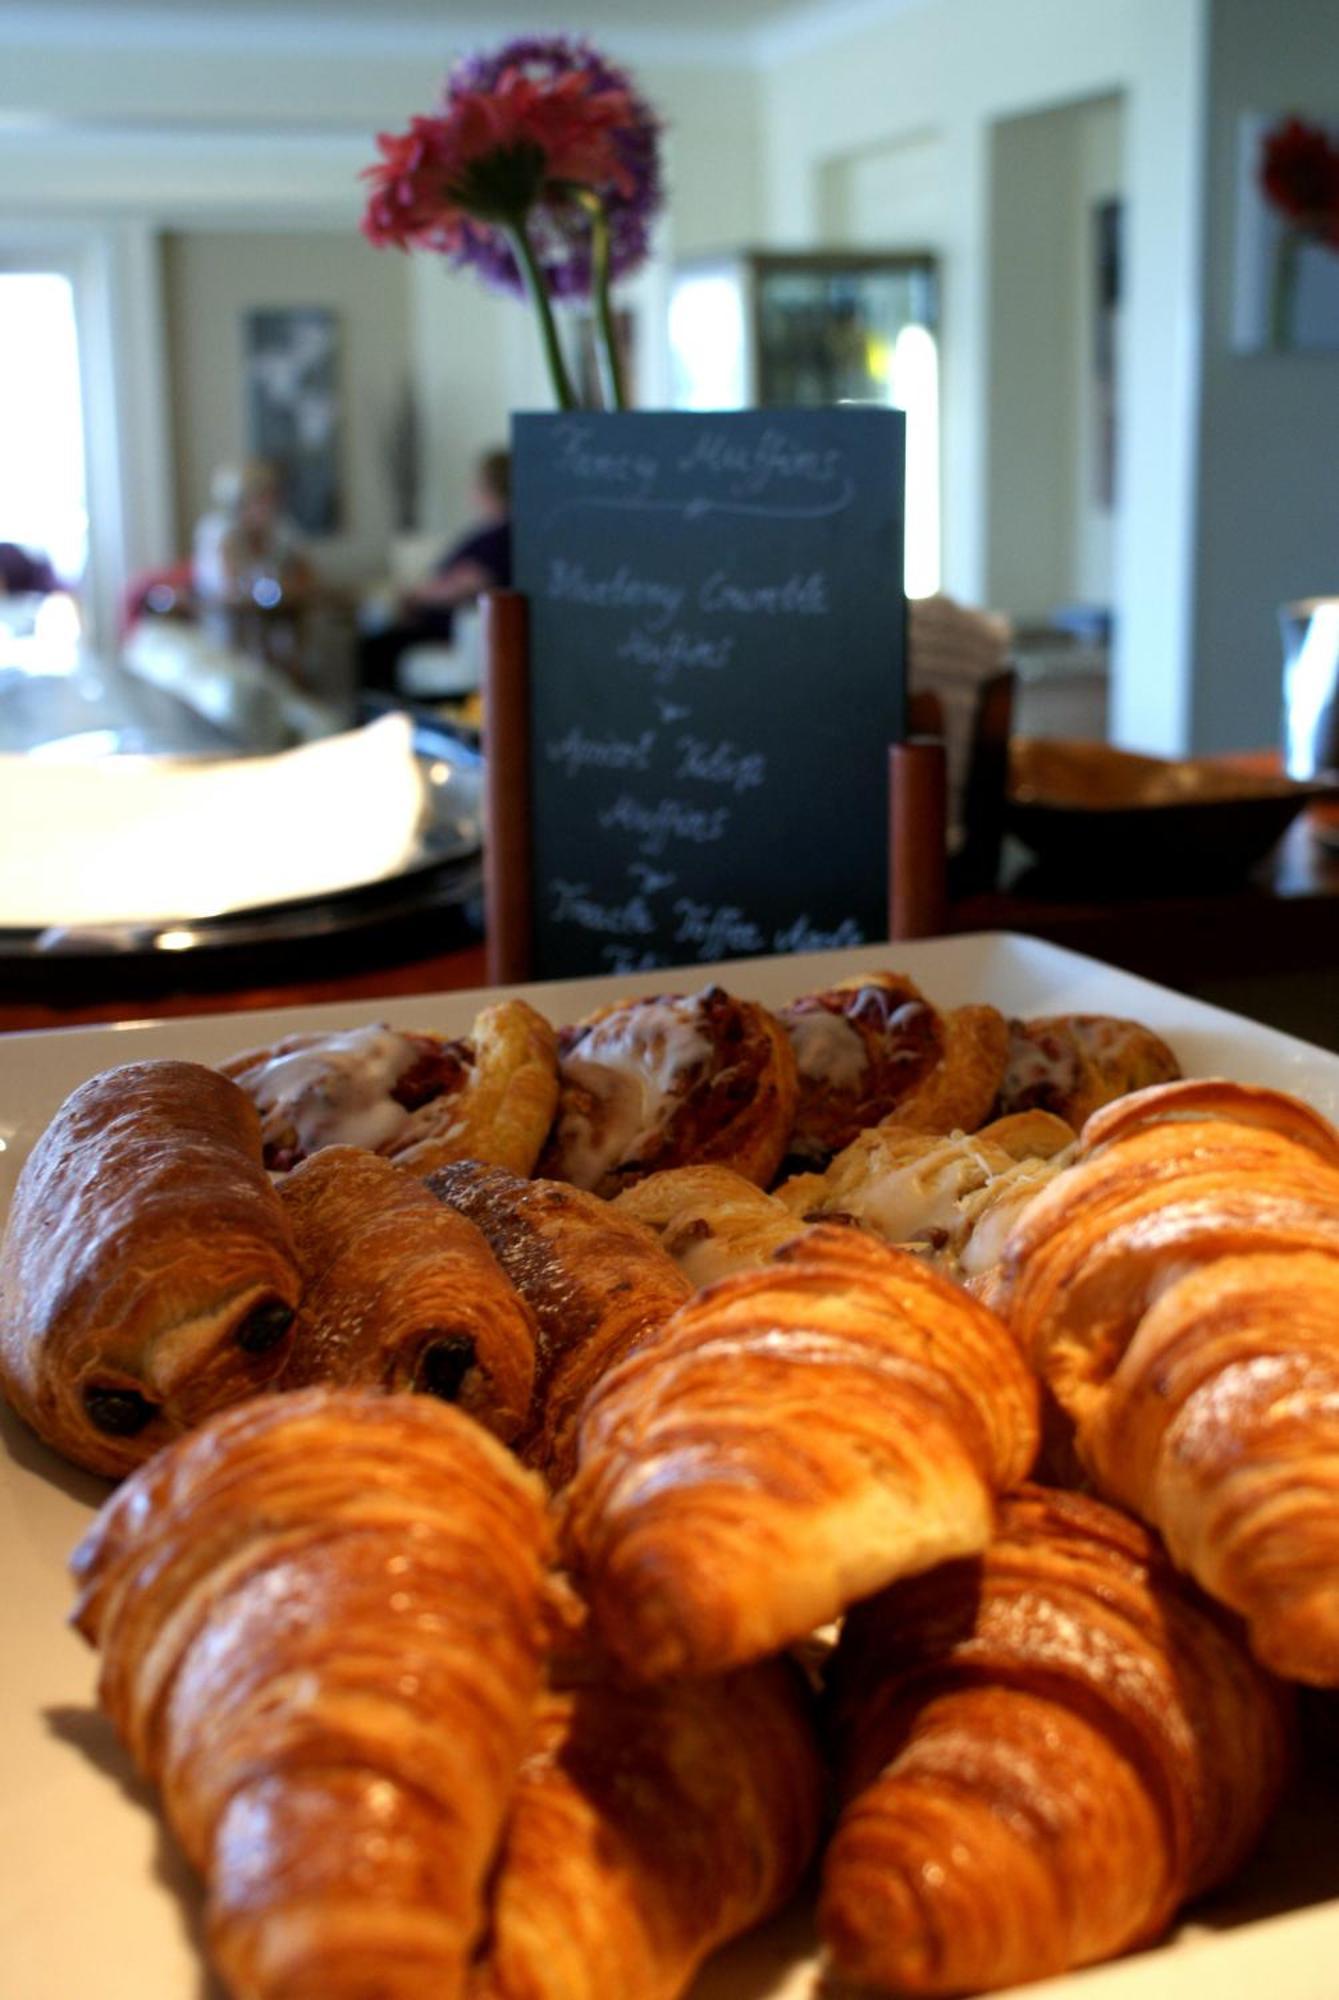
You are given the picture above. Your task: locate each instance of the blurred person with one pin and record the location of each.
(480, 560)
(246, 550)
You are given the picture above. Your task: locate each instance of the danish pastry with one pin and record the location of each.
(400, 1292)
(319, 1619)
(710, 1220)
(873, 1048)
(686, 1080)
(417, 1098)
(1042, 1754)
(148, 1273)
(792, 1440)
(1072, 1064)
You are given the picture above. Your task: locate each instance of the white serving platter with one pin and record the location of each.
(96, 1903)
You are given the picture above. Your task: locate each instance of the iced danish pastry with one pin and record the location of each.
(416, 1098)
(710, 1220)
(685, 1080)
(400, 1292)
(872, 1048)
(1072, 1064)
(148, 1274)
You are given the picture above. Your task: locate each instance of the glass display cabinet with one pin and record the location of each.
(780, 329)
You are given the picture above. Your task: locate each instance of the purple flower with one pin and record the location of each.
(559, 229)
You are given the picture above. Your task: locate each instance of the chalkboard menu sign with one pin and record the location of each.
(717, 668)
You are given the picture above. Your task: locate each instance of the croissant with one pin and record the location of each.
(710, 1220)
(1042, 1754)
(873, 1048)
(417, 1098)
(650, 1826)
(1072, 1064)
(950, 1198)
(1179, 1290)
(320, 1636)
(399, 1292)
(793, 1439)
(147, 1273)
(680, 1081)
(596, 1281)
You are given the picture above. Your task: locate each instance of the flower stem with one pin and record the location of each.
(519, 238)
(1283, 293)
(611, 375)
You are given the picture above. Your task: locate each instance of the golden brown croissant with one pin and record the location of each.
(597, 1282)
(1072, 1064)
(684, 1080)
(650, 1826)
(400, 1292)
(320, 1635)
(795, 1438)
(147, 1274)
(417, 1098)
(952, 1199)
(873, 1048)
(710, 1220)
(1042, 1754)
(1179, 1290)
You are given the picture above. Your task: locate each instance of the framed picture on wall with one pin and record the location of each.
(291, 387)
(1286, 284)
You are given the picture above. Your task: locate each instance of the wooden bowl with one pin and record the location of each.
(1103, 817)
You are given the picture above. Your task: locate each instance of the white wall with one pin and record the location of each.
(126, 128)
(1269, 451)
(954, 68)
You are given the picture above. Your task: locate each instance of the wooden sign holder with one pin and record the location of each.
(917, 808)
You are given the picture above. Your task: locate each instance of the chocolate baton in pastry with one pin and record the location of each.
(148, 1274)
(1042, 1754)
(416, 1098)
(1178, 1290)
(685, 1080)
(597, 1282)
(319, 1621)
(792, 1440)
(872, 1048)
(649, 1827)
(1072, 1064)
(400, 1292)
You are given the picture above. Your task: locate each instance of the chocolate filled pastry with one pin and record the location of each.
(320, 1628)
(1178, 1289)
(950, 1199)
(416, 1098)
(147, 1273)
(692, 1080)
(872, 1048)
(597, 1282)
(1041, 1755)
(1072, 1064)
(792, 1440)
(400, 1292)
(710, 1220)
(649, 1827)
